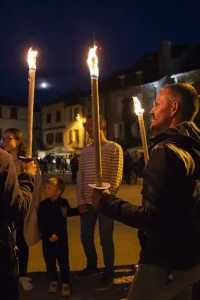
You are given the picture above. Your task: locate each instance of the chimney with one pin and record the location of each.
(121, 78)
(164, 57)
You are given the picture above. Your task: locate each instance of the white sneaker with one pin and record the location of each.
(26, 283)
(65, 290)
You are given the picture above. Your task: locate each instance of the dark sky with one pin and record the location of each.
(62, 31)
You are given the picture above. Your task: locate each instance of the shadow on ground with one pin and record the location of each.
(83, 289)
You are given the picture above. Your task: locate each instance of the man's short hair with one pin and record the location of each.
(59, 183)
(101, 119)
(188, 99)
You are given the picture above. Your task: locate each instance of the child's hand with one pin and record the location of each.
(53, 238)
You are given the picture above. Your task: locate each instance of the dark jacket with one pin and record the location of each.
(52, 217)
(15, 191)
(169, 218)
(15, 199)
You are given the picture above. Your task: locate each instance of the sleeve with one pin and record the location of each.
(161, 186)
(116, 170)
(79, 182)
(72, 211)
(43, 223)
(15, 193)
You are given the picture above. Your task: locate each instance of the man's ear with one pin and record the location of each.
(175, 107)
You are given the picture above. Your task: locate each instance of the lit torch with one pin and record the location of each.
(94, 74)
(139, 112)
(32, 68)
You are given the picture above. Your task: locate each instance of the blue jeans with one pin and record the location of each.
(106, 227)
(153, 283)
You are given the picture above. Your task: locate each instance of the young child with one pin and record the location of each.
(52, 219)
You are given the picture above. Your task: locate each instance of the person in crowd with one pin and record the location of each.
(52, 218)
(169, 217)
(112, 168)
(27, 231)
(15, 199)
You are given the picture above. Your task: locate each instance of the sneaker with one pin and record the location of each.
(87, 272)
(65, 290)
(26, 284)
(105, 283)
(53, 287)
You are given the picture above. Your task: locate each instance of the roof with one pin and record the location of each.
(5, 100)
(185, 57)
(73, 98)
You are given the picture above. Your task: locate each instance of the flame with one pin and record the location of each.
(32, 59)
(93, 62)
(138, 109)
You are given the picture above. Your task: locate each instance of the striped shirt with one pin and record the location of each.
(112, 168)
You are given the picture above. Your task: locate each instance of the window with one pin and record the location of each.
(76, 133)
(116, 132)
(58, 116)
(48, 118)
(70, 114)
(59, 137)
(120, 104)
(71, 136)
(121, 130)
(50, 138)
(13, 113)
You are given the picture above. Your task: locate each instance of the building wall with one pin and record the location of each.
(20, 123)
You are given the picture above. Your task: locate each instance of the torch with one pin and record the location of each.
(32, 68)
(139, 112)
(94, 74)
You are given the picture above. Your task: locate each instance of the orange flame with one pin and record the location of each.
(138, 109)
(32, 59)
(93, 62)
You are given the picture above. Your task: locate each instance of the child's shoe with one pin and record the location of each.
(53, 287)
(65, 290)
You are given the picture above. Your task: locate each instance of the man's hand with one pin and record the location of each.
(96, 197)
(29, 167)
(53, 238)
(82, 208)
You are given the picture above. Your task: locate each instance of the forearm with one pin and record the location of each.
(116, 171)
(124, 212)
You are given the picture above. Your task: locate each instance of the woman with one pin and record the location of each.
(27, 233)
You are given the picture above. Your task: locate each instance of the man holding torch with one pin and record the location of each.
(169, 218)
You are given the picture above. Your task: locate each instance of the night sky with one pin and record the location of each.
(63, 30)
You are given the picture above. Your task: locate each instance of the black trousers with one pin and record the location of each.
(57, 251)
(23, 250)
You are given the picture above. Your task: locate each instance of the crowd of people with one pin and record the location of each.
(168, 220)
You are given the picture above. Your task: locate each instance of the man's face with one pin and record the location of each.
(89, 128)
(162, 112)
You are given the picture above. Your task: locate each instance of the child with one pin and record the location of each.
(52, 219)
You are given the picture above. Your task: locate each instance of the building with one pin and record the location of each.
(63, 125)
(151, 72)
(13, 114)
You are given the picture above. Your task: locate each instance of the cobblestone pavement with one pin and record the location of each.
(126, 255)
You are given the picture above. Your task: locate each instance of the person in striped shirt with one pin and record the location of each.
(27, 232)
(112, 166)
